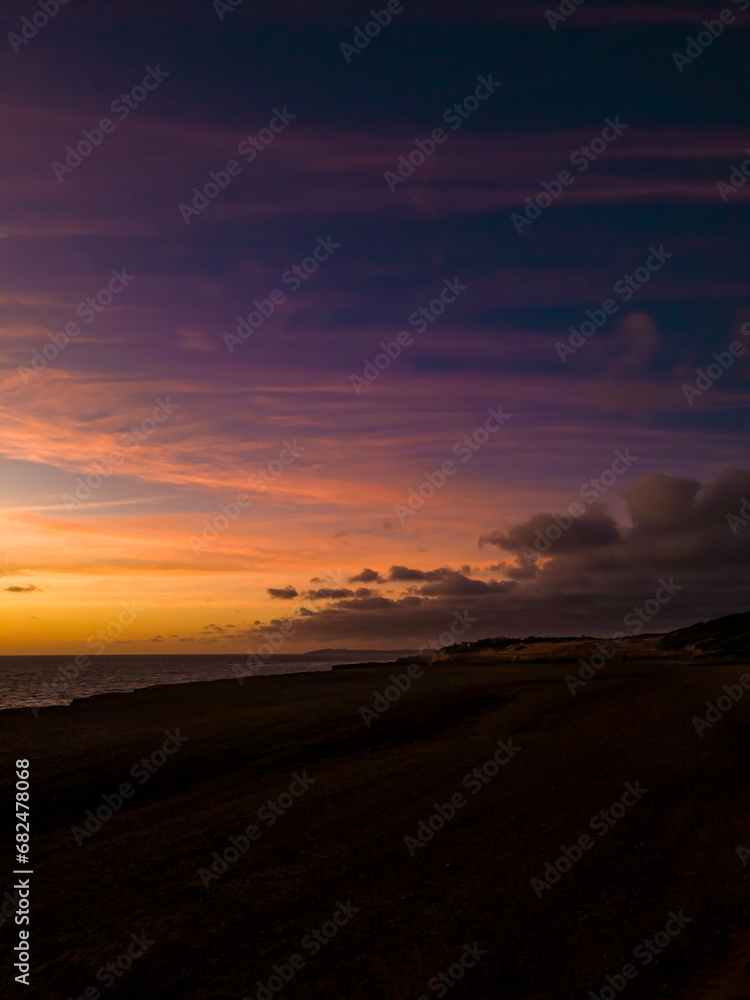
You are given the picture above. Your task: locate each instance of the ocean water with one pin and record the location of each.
(34, 681)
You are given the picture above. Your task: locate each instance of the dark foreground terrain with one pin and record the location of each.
(341, 841)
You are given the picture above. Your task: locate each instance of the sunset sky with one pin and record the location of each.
(159, 426)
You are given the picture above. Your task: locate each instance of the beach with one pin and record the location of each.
(274, 835)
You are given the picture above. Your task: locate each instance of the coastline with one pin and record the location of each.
(40, 681)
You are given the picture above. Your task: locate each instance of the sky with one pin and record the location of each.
(321, 329)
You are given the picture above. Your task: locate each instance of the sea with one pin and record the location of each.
(36, 681)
